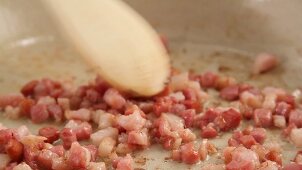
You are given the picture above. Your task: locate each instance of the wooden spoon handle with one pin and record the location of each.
(116, 41)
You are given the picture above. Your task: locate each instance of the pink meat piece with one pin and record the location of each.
(10, 100)
(131, 122)
(39, 113)
(295, 117)
(81, 114)
(264, 62)
(114, 99)
(263, 117)
(125, 163)
(230, 93)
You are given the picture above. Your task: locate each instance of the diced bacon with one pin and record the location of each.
(106, 147)
(263, 117)
(224, 81)
(191, 94)
(213, 167)
(22, 166)
(93, 150)
(28, 88)
(170, 122)
(295, 117)
(12, 112)
(198, 92)
(180, 81)
(177, 108)
(78, 156)
(287, 98)
(230, 93)
(68, 136)
(114, 99)
(264, 62)
(243, 158)
(4, 160)
(203, 151)
(98, 136)
(248, 141)
(188, 116)
(33, 141)
(92, 96)
(279, 121)
(209, 116)
(292, 166)
(146, 107)
(286, 131)
(227, 154)
(237, 134)
(297, 94)
(188, 154)
(208, 79)
(274, 156)
(139, 137)
(176, 155)
(39, 113)
(21, 132)
(247, 130)
(46, 100)
(51, 133)
(178, 96)
(97, 166)
(10, 100)
(58, 149)
(64, 103)
(60, 164)
(14, 150)
(211, 148)
(105, 120)
(5, 136)
(44, 159)
(125, 163)
(273, 90)
(269, 165)
(261, 151)
(273, 146)
(131, 122)
(82, 130)
(298, 157)
(162, 105)
(71, 124)
(283, 109)
(209, 132)
(250, 99)
(296, 137)
(259, 134)
(81, 114)
(124, 148)
(269, 101)
(187, 135)
(55, 111)
(231, 119)
(25, 106)
(233, 142)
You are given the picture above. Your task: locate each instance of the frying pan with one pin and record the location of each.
(221, 36)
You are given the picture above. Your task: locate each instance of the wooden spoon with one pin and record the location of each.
(118, 42)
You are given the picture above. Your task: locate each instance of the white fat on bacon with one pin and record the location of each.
(98, 136)
(22, 166)
(131, 122)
